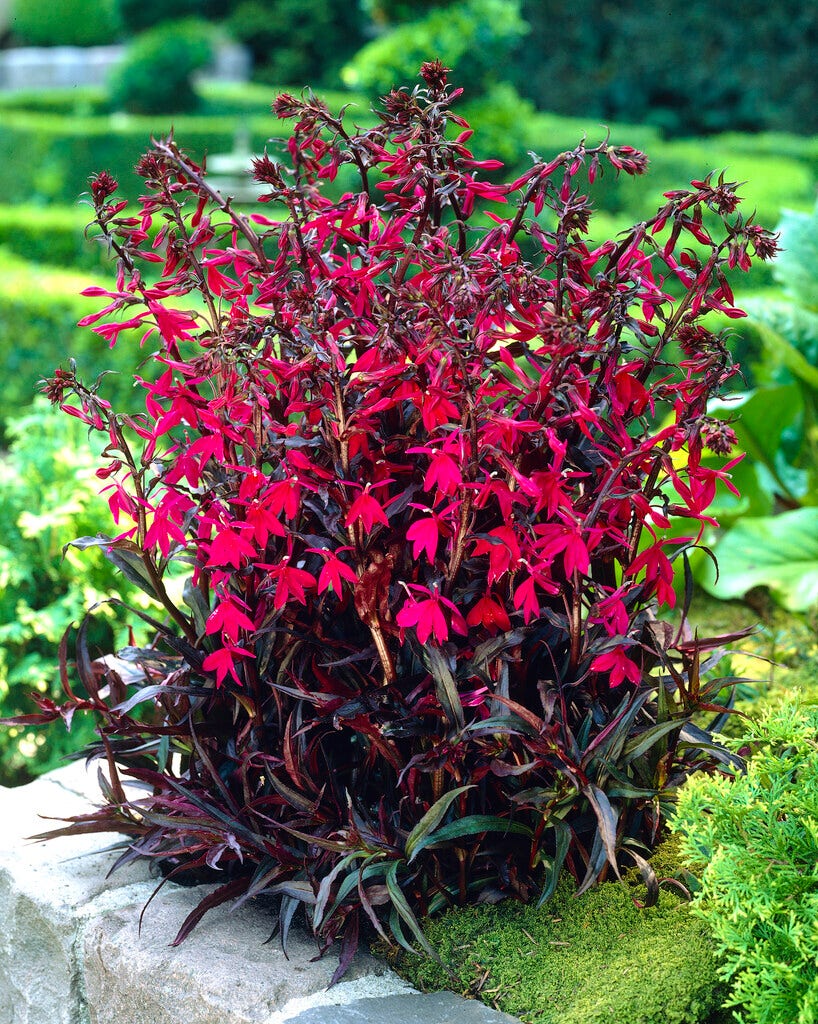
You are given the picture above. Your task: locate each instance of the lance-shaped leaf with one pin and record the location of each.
(430, 820)
(124, 554)
(402, 908)
(607, 817)
(469, 827)
(445, 684)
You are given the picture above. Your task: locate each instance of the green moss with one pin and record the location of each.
(594, 959)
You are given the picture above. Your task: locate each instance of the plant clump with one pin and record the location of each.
(419, 484)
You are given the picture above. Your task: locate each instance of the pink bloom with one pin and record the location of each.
(503, 550)
(443, 474)
(424, 533)
(223, 663)
(332, 574)
(428, 617)
(526, 600)
(368, 510)
(618, 665)
(658, 573)
(229, 548)
(228, 618)
(292, 582)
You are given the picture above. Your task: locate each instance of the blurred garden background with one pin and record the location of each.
(700, 88)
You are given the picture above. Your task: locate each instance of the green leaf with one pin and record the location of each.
(445, 685)
(786, 353)
(327, 882)
(607, 817)
(362, 873)
(763, 421)
(401, 905)
(562, 838)
(471, 825)
(777, 552)
(796, 265)
(641, 743)
(124, 554)
(430, 820)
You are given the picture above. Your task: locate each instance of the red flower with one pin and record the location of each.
(223, 663)
(228, 618)
(229, 548)
(443, 474)
(428, 617)
(490, 614)
(332, 574)
(367, 510)
(618, 665)
(424, 534)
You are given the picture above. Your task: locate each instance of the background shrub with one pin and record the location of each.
(754, 839)
(296, 42)
(48, 486)
(156, 74)
(627, 60)
(39, 310)
(474, 38)
(139, 15)
(754, 63)
(65, 23)
(50, 235)
(45, 157)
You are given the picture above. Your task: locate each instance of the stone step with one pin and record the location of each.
(72, 951)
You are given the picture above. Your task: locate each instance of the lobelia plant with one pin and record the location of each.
(419, 488)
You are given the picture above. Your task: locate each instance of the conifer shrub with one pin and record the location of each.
(753, 838)
(420, 486)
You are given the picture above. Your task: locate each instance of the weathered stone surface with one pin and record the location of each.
(438, 1008)
(46, 892)
(223, 972)
(71, 951)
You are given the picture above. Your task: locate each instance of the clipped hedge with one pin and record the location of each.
(52, 235)
(47, 153)
(50, 157)
(39, 310)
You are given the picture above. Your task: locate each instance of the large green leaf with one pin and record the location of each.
(468, 827)
(768, 425)
(787, 319)
(787, 353)
(797, 265)
(778, 552)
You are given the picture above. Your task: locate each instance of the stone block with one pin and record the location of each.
(412, 1008)
(223, 972)
(72, 951)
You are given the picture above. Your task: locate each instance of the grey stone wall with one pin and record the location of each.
(72, 952)
(56, 67)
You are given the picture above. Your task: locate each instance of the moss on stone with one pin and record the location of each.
(594, 959)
